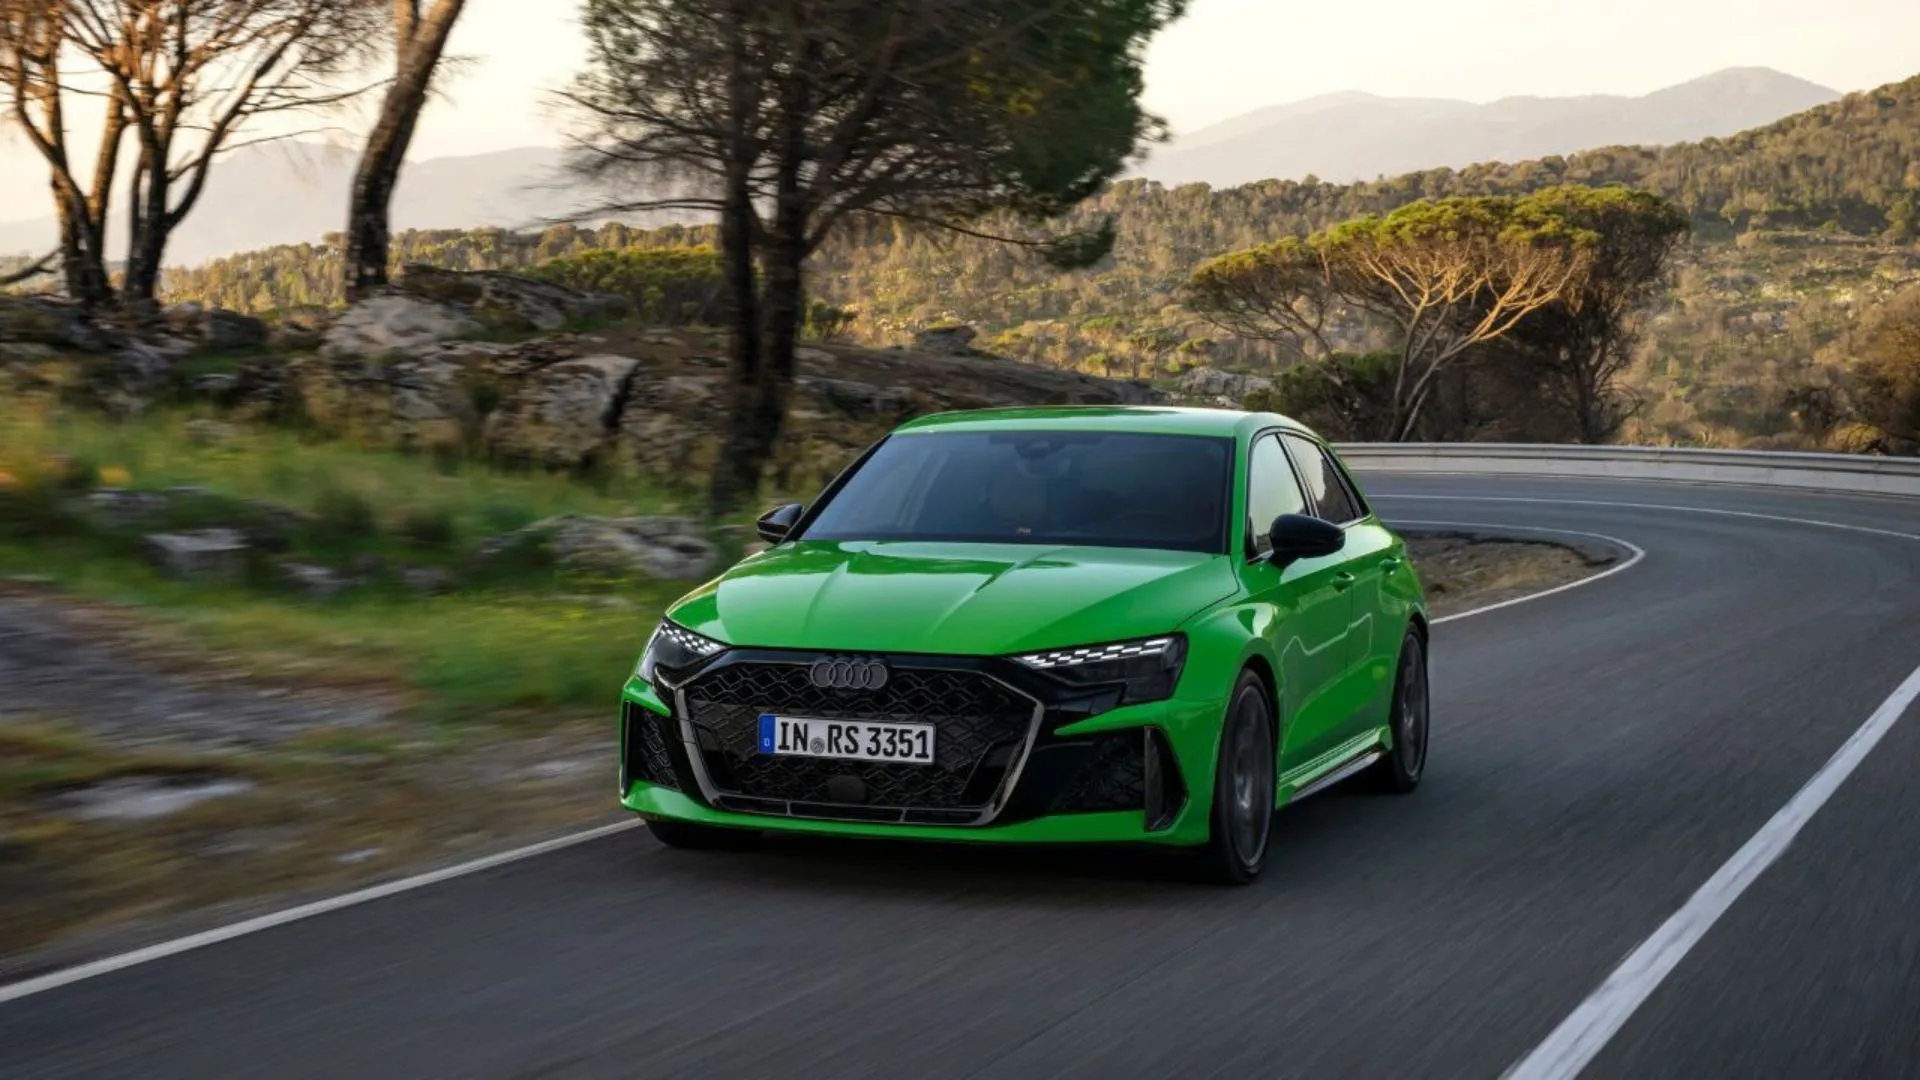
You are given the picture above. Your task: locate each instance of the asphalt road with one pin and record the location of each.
(1598, 754)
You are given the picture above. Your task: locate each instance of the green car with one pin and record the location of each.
(1046, 625)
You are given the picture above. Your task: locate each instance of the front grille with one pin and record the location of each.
(981, 731)
(646, 749)
(1112, 777)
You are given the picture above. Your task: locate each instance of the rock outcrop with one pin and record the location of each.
(404, 369)
(1220, 387)
(563, 415)
(945, 340)
(670, 548)
(394, 322)
(509, 302)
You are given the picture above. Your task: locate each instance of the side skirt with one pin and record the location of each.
(1335, 767)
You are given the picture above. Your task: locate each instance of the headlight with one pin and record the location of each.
(672, 649)
(1146, 668)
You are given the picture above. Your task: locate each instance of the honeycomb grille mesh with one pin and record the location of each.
(980, 728)
(1113, 777)
(647, 757)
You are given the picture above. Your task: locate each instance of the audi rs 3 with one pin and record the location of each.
(1067, 624)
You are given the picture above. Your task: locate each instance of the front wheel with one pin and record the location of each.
(1399, 770)
(1243, 788)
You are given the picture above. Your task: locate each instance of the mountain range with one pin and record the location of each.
(294, 192)
(1352, 136)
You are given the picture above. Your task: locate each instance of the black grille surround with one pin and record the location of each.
(998, 757)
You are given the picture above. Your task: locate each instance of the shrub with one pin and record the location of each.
(343, 519)
(673, 286)
(429, 527)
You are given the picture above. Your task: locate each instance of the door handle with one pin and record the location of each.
(1390, 564)
(1343, 581)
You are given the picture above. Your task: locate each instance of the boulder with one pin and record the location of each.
(314, 581)
(670, 548)
(1230, 386)
(230, 330)
(562, 415)
(508, 301)
(670, 426)
(184, 319)
(865, 400)
(945, 340)
(406, 403)
(393, 322)
(117, 508)
(212, 556)
(258, 387)
(47, 320)
(127, 380)
(300, 330)
(426, 580)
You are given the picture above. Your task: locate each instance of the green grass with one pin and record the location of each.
(303, 472)
(513, 642)
(459, 654)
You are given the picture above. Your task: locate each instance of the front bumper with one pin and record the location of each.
(1088, 774)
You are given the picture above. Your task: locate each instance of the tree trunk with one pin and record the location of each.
(782, 309)
(418, 47)
(152, 192)
(736, 475)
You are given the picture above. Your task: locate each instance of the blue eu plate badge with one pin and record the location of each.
(766, 733)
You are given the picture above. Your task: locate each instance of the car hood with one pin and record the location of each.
(974, 599)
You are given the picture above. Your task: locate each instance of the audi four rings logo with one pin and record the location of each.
(842, 673)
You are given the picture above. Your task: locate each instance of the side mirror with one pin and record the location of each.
(775, 524)
(1297, 536)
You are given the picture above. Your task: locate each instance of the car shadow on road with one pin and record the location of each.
(1311, 843)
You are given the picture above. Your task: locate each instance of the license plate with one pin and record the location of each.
(855, 740)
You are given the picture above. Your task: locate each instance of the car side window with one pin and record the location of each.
(1272, 490)
(1331, 499)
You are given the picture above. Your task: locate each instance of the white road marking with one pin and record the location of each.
(1579, 1038)
(64, 977)
(1587, 1030)
(55, 979)
(1638, 554)
(67, 976)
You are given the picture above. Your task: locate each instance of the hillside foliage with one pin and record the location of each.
(1801, 230)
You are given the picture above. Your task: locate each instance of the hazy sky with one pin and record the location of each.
(1228, 56)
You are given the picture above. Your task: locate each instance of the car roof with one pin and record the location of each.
(1144, 419)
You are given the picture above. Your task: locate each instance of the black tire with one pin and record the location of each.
(1241, 820)
(691, 836)
(1399, 770)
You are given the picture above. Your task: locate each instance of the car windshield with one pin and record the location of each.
(1089, 488)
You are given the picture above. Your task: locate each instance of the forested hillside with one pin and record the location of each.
(1800, 227)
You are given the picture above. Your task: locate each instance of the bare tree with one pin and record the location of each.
(184, 78)
(419, 43)
(31, 270)
(33, 38)
(789, 118)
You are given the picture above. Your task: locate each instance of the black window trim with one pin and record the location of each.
(1251, 539)
(1340, 474)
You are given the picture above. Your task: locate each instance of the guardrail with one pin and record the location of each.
(1764, 468)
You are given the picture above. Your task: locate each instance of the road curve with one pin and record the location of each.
(1598, 754)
